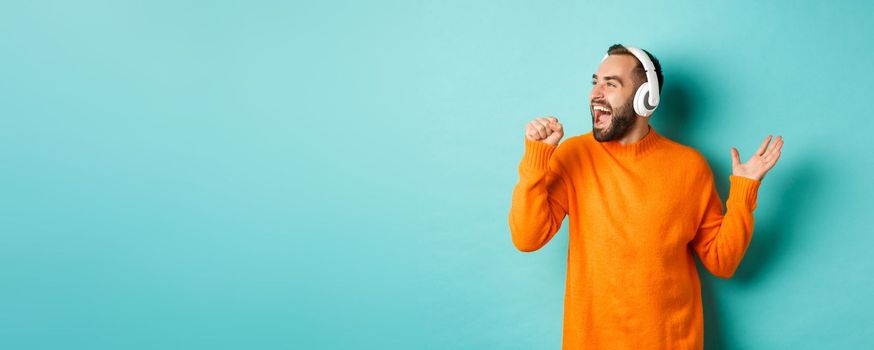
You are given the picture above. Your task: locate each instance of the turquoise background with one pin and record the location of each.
(332, 175)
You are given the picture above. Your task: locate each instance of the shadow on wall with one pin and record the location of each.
(682, 100)
(773, 234)
(685, 101)
(773, 237)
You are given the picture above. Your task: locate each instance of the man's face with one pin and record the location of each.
(613, 88)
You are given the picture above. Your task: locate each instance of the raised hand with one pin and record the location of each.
(547, 130)
(760, 163)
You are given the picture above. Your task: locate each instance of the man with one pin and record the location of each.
(639, 205)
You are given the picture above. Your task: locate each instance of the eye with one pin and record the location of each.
(594, 82)
(611, 84)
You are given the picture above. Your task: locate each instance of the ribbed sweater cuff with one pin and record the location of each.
(537, 154)
(743, 191)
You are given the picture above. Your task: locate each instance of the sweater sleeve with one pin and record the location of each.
(722, 240)
(540, 198)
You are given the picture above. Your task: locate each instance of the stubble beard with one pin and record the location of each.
(621, 122)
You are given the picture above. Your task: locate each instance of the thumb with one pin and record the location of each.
(735, 157)
(555, 126)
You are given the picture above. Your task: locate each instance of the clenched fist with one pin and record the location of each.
(547, 130)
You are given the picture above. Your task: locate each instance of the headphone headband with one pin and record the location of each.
(651, 77)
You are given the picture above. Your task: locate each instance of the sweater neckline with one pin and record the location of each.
(636, 149)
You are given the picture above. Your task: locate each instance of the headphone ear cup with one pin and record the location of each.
(640, 105)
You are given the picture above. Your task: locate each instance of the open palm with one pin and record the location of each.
(760, 163)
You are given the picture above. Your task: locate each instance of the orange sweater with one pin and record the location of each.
(637, 213)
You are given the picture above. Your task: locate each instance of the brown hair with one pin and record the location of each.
(640, 72)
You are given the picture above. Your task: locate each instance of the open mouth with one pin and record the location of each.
(602, 114)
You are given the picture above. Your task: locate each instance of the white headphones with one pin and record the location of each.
(646, 99)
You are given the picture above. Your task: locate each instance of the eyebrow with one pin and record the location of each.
(609, 77)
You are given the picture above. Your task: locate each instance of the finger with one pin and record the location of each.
(529, 131)
(735, 157)
(772, 155)
(773, 160)
(557, 127)
(768, 166)
(543, 126)
(761, 149)
(533, 130)
(540, 128)
(775, 147)
(547, 122)
(532, 133)
(777, 140)
(538, 134)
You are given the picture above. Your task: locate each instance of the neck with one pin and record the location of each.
(638, 131)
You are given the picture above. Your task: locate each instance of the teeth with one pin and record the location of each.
(601, 108)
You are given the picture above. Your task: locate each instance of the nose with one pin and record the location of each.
(597, 92)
